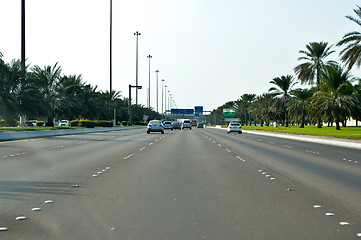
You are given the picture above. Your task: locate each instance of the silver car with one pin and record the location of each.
(168, 125)
(155, 126)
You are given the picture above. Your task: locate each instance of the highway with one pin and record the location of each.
(184, 184)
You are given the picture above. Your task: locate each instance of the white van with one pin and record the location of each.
(186, 124)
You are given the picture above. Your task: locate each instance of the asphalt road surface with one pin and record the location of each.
(188, 184)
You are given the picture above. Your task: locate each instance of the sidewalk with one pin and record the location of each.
(341, 142)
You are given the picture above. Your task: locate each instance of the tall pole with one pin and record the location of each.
(149, 57)
(156, 71)
(169, 97)
(165, 99)
(110, 50)
(162, 95)
(136, 67)
(130, 106)
(23, 38)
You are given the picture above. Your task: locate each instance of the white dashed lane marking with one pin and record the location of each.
(128, 156)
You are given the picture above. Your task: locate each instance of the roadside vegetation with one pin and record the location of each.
(332, 98)
(45, 93)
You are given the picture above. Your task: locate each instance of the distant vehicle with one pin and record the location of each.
(64, 123)
(200, 125)
(194, 123)
(177, 125)
(33, 122)
(234, 127)
(186, 124)
(168, 125)
(155, 126)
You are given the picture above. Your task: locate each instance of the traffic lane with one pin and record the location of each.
(338, 154)
(335, 162)
(28, 181)
(9, 149)
(342, 155)
(341, 184)
(276, 155)
(184, 186)
(83, 177)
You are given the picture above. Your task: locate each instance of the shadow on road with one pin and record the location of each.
(17, 189)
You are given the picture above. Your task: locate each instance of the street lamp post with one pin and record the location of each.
(169, 96)
(162, 95)
(165, 99)
(149, 57)
(136, 68)
(170, 102)
(110, 44)
(156, 71)
(130, 102)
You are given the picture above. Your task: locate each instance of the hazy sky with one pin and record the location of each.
(208, 51)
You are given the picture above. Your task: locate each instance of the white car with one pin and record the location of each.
(186, 124)
(168, 125)
(64, 123)
(234, 127)
(155, 126)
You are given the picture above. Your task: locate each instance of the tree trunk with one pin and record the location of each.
(338, 125)
(319, 123)
(22, 120)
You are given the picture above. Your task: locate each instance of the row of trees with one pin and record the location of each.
(331, 98)
(47, 94)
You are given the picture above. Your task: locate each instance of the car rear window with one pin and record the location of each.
(187, 121)
(235, 124)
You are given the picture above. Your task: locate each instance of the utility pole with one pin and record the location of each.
(136, 68)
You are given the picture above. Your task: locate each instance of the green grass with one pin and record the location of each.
(345, 132)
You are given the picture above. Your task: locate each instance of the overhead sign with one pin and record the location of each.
(182, 111)
(229, 113)
(198, 109)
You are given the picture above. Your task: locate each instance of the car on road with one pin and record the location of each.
(64, 123)
(155, 126)
(200, 125)
(234, 127)
(177, 125)
(168, 125)
(186, 124)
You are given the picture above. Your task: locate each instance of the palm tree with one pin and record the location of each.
(299, 103)
(243, 105)
(283, 87)
(314, 64)
(351, 54)
(334, 99)
(310, 70)
(48, 79)
(262, 108)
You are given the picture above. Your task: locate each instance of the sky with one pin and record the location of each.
(208, 52)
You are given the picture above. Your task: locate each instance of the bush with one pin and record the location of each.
(74, 123)
(87, 123)
(49, 124)
(124, 123)
(29, 124)
(104, 123)
(39, 123)
(141, 123)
